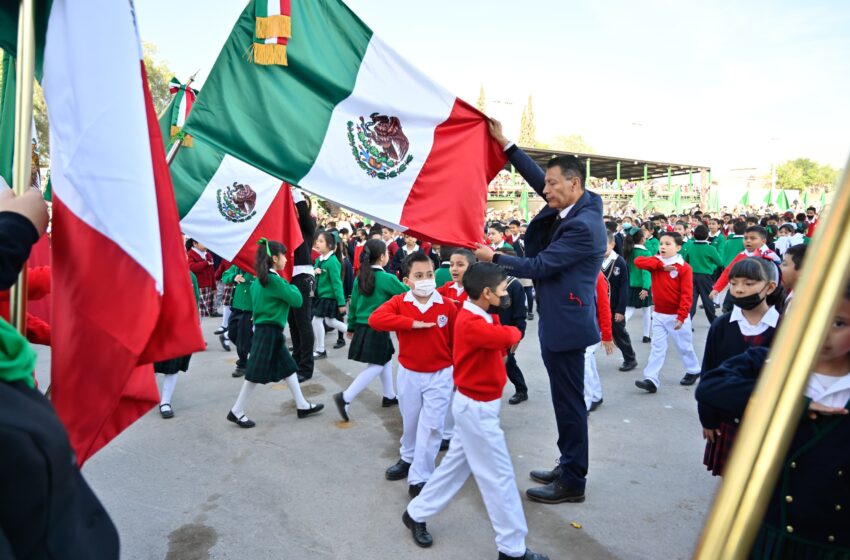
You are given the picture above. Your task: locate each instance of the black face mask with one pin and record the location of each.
(504, 303)
(749, 302)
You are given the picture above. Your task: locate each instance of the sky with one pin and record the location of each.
(723, 84)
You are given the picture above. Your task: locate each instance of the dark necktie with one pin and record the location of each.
(556, 220)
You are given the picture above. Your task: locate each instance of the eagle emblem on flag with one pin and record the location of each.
(237, 202)
(380, 146)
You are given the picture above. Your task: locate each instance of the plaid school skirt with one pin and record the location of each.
(269, 360)
(205, 305)
(227, 295)
(369, 346)
(717, 453)
(634, 298)
(172, 366)
(326, 307)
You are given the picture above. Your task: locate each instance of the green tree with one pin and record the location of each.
(802, 173)
(527, 130)
(159, 74)
(481, 104)
(567, 143)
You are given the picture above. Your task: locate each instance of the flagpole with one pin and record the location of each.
(776, 405)
(188, 83)
(175, 147)
(22, 155)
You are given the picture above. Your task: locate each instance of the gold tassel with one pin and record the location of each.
(174, 130)
(274, 26)
(187, 141)
(268, 54)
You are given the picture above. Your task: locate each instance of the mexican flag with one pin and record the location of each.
(118, 259)
(351, 121)
(174, 117)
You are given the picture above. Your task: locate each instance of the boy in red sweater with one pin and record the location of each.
(423, 321)
(755, 245)
(592, 383)
(478, 447)
(459, 262)
(672, 284)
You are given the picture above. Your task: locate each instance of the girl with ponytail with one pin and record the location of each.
(372, 288)
(640, 281)
(329, 305)
(269, 360)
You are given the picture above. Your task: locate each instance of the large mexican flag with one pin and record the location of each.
(350, 120)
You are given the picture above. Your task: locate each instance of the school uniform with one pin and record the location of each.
(240, 328)
(592, 382)
(368, 345)
(330, 295)
(515, 316)
(617, 274)
(723, 280)
(397, 262)
(639, 280)
(732, 248)
(479, 447)
(424, 378)
(705, 261)
(807, 515)
(181, 363)
(269, 360)
(731, 334)
(453, 291)
(201, 264)
(227, 291)
(652, 244)
(718, 242)
(672, 297)
(687, 243)
(443, 275)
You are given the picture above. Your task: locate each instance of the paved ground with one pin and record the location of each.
(197, 487)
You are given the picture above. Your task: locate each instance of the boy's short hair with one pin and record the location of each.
(343, 231)
(701, 232)
(482, 275)
(677, 238)
(758, 230)
(514, 223)
(467, 254)
(739, 228)
(797, 254)
(801, 217)
(611, 226)
(498, 226)
(789, 228)
(446, 252)
(414, 257)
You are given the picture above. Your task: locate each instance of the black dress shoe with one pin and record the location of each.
(414, 489)
(220, 330)
(224, 342)
(646, 385)
(238, 372)
(314, 408)
(595, 404)
(339, 344)
(646, 340)
(545, 477)
(420, 533)
(166, 411)
(242, 421)
(386, 403)
(320, 355)
(555, 492)
(518, 398)
(340, 406)
(689, 379)
(529, 555)
(628, 366)
(398, 471)
(444, 445)
(530, 317)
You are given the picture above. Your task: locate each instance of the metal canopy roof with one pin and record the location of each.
(631, 169)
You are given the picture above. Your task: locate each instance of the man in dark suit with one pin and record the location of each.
(300, 326)
(564, 247)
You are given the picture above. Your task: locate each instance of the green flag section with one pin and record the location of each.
(351, 121)
(9, 29)
(782, 200)
(714, 200)
(745, 200)
(638, 200)
(676, 200)
(523, 202)
(7, 118)
(768, 198)
(174, 117)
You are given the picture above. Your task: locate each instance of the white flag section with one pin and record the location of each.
(238, 193)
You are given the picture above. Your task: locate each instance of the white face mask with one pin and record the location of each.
(424, 288)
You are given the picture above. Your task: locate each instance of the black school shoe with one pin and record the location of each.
(518, 398)
(224, 342)
(646, 340)
(556, 492)
(339, 344)
(398, 471)
(444, 445)
(545, 477)
(594, 405)
(220, 330)
(420, 533)
(320, 355)
(628, 366)
(414, 489)
(530, 317)
(340, 406)
(529, 555)
(646, 385)
(386, 403)
(166, 411)
(238, 372)
(242, 421)
(314, 408)
(689, 379)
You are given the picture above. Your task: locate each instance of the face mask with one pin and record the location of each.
(424, 288)
(749, 302)
(504, 303)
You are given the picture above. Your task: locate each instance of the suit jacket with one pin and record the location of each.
(617, 275)
(565, 270)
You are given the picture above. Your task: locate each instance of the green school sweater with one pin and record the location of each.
(442, 276)
(271, 302)
(639, 278)
(241, 292)
(703, 258)
(718, 242)
(362, 306)
(686, 246)
(329, 282)
(734, 245)
(651, 245)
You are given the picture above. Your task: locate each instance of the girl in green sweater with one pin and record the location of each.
(269, 360)
(329, 304)
(372, 288)
(640, 281)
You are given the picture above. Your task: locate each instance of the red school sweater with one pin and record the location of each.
(603, 308)
(420, 350)
(203, 268)
(763, 252)
(671, 295)
(479, 351)
(448, 291)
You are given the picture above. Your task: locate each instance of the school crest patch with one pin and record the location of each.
(616, 271)
(442, 321)
(236, 203)
(379, 146)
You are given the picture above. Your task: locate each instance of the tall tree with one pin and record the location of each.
(527, 131)
(159, 74)
(567, 143)
(481, 104)
(803, 173)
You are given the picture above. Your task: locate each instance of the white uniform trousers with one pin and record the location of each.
(423, 399)
(592, 383)
(478, 448)
(662, 327)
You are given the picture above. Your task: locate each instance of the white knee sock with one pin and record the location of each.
(337, 324)
(168, 385)
(362, 381)
(225, 318)
(387, 380)
(319, 334)
(238, 409)
(647, 321)
(629, 312)
(295, 388)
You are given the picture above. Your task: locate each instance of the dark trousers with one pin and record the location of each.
(703, 284)
(301, 327)
(622, 339)
(515, 374)
(566, 380)
(529, 298)
(240, 331)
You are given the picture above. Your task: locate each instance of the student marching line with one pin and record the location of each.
(269, 360)
(329, 303)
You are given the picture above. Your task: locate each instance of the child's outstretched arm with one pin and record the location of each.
(728, 387)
